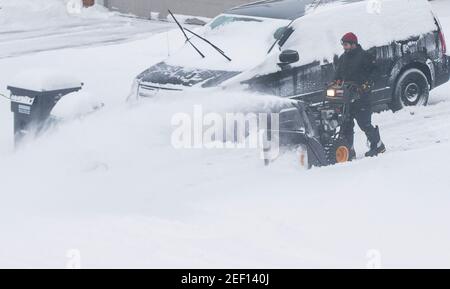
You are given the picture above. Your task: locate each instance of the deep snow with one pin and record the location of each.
(111, 186)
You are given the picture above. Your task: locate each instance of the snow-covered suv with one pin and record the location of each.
(288, 48)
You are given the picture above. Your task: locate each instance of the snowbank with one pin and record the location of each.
(36, 14)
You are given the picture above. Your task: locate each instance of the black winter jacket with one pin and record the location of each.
(356, 65)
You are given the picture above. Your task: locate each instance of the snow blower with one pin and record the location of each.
(314, 130)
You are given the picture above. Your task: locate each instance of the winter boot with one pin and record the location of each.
(376, 145)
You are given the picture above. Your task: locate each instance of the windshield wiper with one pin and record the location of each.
(185, 35)
(202, 38)
(209, 42)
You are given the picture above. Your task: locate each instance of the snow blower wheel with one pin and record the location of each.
(338, 152)
(303, 157)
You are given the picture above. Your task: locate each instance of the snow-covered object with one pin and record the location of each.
(44, 80)
(317, 35)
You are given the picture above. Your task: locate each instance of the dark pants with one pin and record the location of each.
(361, 111)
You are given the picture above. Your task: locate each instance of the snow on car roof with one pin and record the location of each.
(281, 9)
(318, 34)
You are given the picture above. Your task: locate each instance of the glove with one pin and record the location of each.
(366, 86)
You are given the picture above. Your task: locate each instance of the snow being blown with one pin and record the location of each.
(120, 156)
(112, 186)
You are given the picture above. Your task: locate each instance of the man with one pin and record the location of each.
(357, 65)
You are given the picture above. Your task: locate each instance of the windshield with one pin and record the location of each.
(223, 20)
(226, 19)
(245, 39)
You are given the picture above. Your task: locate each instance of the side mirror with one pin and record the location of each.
(288, 57)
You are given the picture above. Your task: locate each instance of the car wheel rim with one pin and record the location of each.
(412, 93)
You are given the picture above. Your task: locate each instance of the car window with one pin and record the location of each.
(225, 19)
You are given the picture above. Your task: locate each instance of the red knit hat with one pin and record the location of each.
(350, 38)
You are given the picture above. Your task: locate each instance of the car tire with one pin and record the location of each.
(412, 89)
